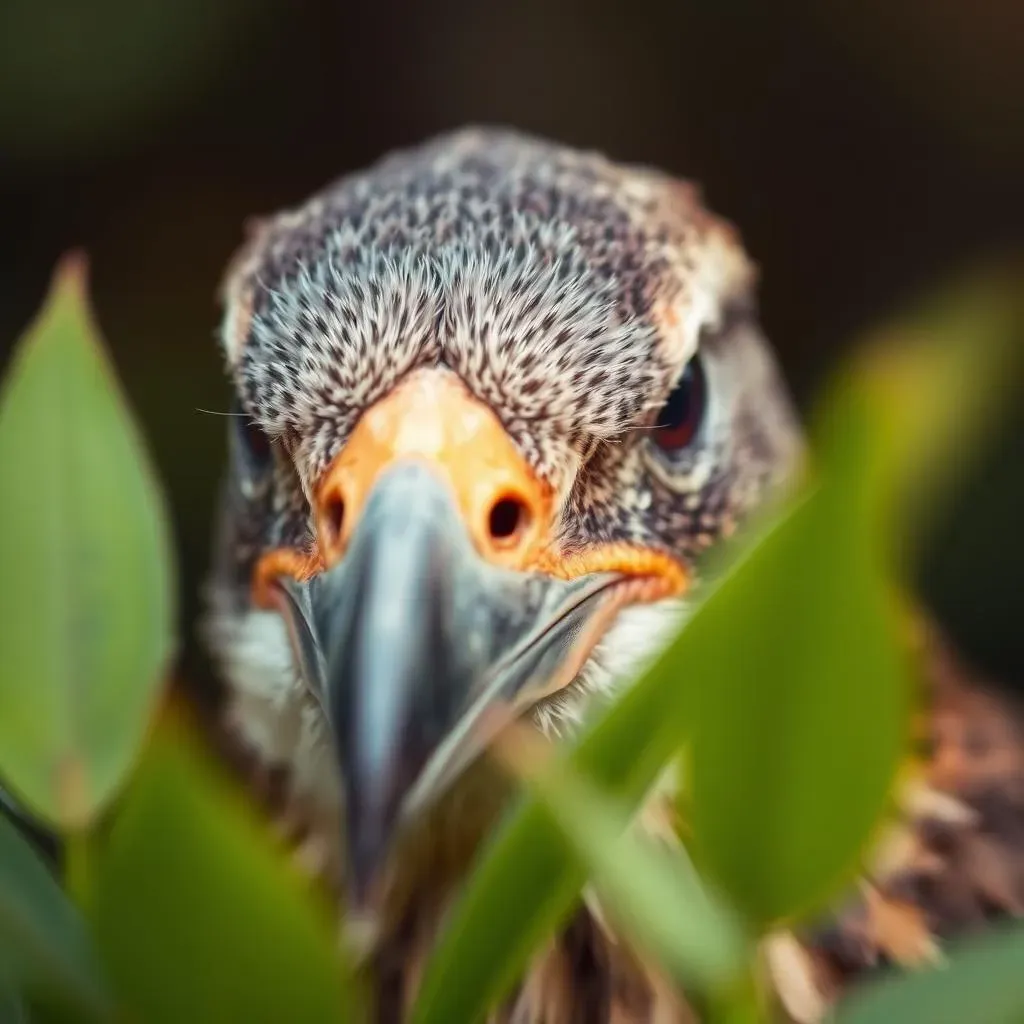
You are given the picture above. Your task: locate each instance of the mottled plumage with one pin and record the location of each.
(567, 294)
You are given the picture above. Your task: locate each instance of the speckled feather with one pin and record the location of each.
(567, 292)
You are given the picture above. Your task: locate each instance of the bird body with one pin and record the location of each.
(497, 399)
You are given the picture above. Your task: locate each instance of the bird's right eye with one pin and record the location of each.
(251, 442)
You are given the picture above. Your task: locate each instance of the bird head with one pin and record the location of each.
(496, 398)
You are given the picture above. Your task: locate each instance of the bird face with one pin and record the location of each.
(495, 399)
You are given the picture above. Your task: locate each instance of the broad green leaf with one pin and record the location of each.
(86, 608)
(44, 947)
(802, 696)
(649, 889)
(747, 1000)
(981, 984)
(196, 912)
(12, 1006)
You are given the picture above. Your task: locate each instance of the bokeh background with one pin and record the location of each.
(870, 153)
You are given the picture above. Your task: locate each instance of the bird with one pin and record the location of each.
(497, 401)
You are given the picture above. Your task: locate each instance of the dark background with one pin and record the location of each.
(870, 153)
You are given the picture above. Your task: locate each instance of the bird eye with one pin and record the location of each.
(681, 415)
(251, 441)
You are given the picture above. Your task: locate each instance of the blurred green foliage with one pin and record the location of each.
(652, 892)
(45, 951)
(782, 705)
(801, 697)
(188, 886)
(980, 982)
(88, 625)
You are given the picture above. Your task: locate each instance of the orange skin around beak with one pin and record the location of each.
(507, 509)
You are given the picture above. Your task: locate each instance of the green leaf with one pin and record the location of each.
(44, 947)
(86, 604)
(12, 1007)
(649, 889)
(981, 984)
(803, 696)
(197, 914)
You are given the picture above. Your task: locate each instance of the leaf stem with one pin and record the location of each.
(78, 866)
(740, 1002)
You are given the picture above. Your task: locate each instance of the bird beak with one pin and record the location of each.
(419, 651)
(421, 636)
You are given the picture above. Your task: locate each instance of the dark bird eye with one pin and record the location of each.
(251, 442)
(681, 415)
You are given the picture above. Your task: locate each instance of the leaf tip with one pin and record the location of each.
(69, 296)
(71, 275)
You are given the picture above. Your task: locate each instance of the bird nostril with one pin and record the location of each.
(334, 518)
(508, 519)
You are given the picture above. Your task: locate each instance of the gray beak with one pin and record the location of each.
(419, 651)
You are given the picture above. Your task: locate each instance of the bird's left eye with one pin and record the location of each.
(681, 416)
